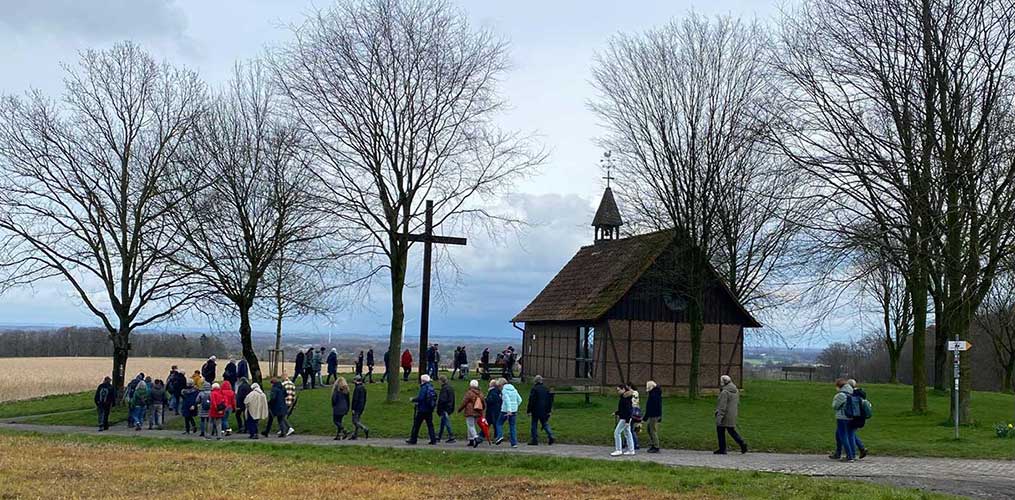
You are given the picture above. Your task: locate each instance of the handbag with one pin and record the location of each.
(478, 405)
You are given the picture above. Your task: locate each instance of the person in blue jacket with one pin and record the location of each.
(510, 401)
(188, 406)
(426, 401)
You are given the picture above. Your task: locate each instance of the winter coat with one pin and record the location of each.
(387, 359)
(300, 362)
(446, 400)
(208, 371)
(654, 406)
(485, 358)
(290, 393)
(308, 362)
(333, 362)
(317, 361)
(198, 380)
(229, 395)
(468, 406)
(157, 395)
(189, 395)
(839, 401)
(218, 398)
(140, 396)
(276, 403)
(625, 406)
(359, 399)
(727, 408)
(339, 403)
(175, 383)
(229, 374)
(105, 395)
(406, 359)
(510, 399)
(242, 370)
(540, 401)
(424, 398)
(370, 357)
(202, 398)
(493, 404)
(256, 403)
(241, 394)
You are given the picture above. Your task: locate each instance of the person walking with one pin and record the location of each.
(406, 365)
(622, 432)
(255, 406)
(332, 366)
(290, 403)
(156, 405)
(277, 409)
(105, 398)
(242, 391)
(230, 398)
(139, 399)
(472, 406)
(859, 421)
(426, 401)
(359, 405)
(845, 428)
(653, 414)
(229, 373)
(175, 382)
(298, 371)
(370, 364)
(510, 401)
(208, 370)
(318, 363)
(204, 408)
(242, 369)
(463, 365)
(454, 361)
(539, 409)
(445, 407)
(308, 369)
(727, 409)
(339, 406)
(387, 366)
(493, 405)
(217, 412)
(358, 367)
(635, 414)
(189, 407)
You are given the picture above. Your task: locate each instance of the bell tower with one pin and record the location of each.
(607, 221)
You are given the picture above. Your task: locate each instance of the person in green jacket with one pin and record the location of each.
(139, 401)
(845, 434)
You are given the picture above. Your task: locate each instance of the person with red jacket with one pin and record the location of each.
(406, 365)
(217, 410)
(230, 397)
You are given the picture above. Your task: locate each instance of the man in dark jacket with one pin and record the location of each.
(370, 364)
(359, 364)
(105, 398)
(208, 370)
(653, 414)
(425, 401)
(332, 366)
(175, 383)
(242, 370)
(359, 405)
(298, 372)
(229, 373)
(387, 366)
(494, 401)
(858, 422)
(242, 391)
(278, 409)
(445, 407)
(539, 409)
(484, 361)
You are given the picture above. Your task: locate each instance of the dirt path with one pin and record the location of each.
(993, 479)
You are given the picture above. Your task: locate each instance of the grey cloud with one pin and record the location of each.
(105, 20)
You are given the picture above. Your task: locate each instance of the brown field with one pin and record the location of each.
(23, 378)
(113, 470)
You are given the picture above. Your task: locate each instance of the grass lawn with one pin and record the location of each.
(85, 466)
(47, 404)
(780, 416)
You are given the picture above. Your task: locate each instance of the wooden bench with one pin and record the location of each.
(492, 370)
(809, 370)
(588, 394)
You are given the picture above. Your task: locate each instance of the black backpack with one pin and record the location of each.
(103, 395)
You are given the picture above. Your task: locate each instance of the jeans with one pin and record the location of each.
(370, 373)
(204, 425)
(721, 432)
(622, 432)
(417, 421)
(543, 422)
(225, 420)
(405, 373)
(339, 427)
(216, 427)
(250, 425)
(498, 426)
(357, 425)
(470, 426)
(241, 420)
(512, 421)
(845, 435)
(283, 425)
(156, 415)
(190, 425)
(174, 403)
(857, 443)
(445, 424)
(652, 423)
(137, 416)
(103, 418)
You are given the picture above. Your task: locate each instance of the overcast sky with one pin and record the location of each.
(552, 47)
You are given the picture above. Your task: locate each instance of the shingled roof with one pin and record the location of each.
(596, 278)
(608, 214)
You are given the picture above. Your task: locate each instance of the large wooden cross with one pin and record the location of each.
(428, 239)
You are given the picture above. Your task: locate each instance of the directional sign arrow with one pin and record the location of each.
(959, 345)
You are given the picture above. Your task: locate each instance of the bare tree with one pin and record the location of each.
(688, 109)
(887, 287)
(996, 318)
(399, 98)
(85, 196)
(258, 199)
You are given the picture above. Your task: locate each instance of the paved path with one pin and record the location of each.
(992, 479)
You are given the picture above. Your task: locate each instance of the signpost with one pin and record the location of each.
(956, 347)
(428, 239)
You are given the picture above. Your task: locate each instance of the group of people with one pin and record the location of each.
(852, 409)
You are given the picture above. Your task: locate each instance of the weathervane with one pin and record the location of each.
(607, 163)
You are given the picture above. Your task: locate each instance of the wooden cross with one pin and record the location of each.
(608, 163)
(428, 239)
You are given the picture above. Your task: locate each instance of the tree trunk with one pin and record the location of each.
(958, 318)
(893, 366)
(398, 265)
(248, 343)
(1009, 371)
(941, 376)
(697, 328)
(918, 290)
(121, 350)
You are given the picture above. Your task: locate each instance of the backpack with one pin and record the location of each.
(867, 409)
(103, 395)
(853, 406)
(205, 404)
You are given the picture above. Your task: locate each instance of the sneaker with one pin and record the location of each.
(514, 446)
(433, 442)
(616, 453)
(834, 457)
(863, 453)
(451, 440)
(409, 441)
(290, 433)
(629, 453)
(847, 460)
(743, 448)
(499, 440)
(653, 450)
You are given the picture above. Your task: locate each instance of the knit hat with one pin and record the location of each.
(424, 378)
